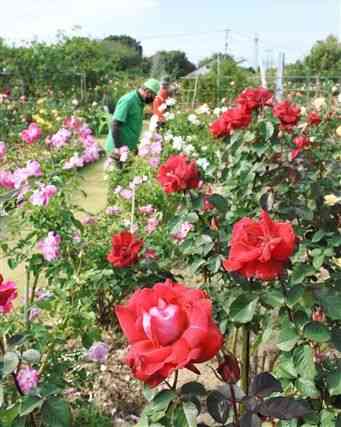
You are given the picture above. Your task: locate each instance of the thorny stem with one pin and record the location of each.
(27, 298)
(285, 292)
(36, 278)
(176, 376)
(234, 404)
(245, 358)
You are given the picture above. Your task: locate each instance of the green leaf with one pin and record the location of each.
(295, 294)
(336, 338)
(243, 309)
(30, 404)
(196, 265)
(331, 302)
(318, 236)
(318, 261)
(219, 202)
(301, 271)
(308, 388)
(316, 331)
(304, 362)
(20, 422)
(334, 382)
(194, 388)
(56, 413)
(191, 413)
(10, 363)
(288, 337)
(273, 297)
(285, 367)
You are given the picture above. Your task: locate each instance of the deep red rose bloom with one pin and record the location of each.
(287, 113)
(234, 118)
(8, 293)
(260, 249)
(301, 143)
(255, 98)
(125, 249)
(218, 128)
(314, 118)
(178, 173)
(168, 327)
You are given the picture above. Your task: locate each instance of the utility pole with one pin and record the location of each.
(227, 33)
(256, 46)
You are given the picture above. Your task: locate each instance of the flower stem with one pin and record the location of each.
(27, 299)
(285, 293)
(132, 211)
(234, 404)
(176, 376)
(245, 368)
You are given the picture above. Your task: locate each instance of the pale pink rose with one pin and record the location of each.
(33, 168)
(31, 134)
(28, 379)
(182, 232)
(98, 352)
(6, 180)
(50, 246)
(42, 196)
(126, 194)
(154, 162)
(152, 225)
(34, 313)
(113, 210)
(147, 210)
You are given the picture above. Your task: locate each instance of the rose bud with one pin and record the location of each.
(229, 370)
(318, 314)
(214, 224)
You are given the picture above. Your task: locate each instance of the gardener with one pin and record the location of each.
(127, 120)
(159, 104)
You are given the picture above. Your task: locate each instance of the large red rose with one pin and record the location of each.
(8, 293)
(168, 327)
(314, 118)
(255, 98)
(287, 113)
(178, 173)
(260, 249)
(125, 249)
(301, 143)
(234, 118)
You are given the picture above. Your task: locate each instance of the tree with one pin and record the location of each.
(173, 63)
(325, 57)
(127, 41)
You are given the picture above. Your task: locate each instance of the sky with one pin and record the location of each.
(195, 26)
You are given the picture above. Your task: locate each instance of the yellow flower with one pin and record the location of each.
(40, 101)
(331, 199)
(337, 262)
(42, 111)
(338, 131)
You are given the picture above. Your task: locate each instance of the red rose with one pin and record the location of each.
(168, 327)
(218, 128)
(301, 143)
(314, 118)
(287, 113)
(178, 174)
(234, 118)
(125, 249)
(252, 99)
(260, 249)
(8, 293)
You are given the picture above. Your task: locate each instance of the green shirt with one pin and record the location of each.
(129, 111)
